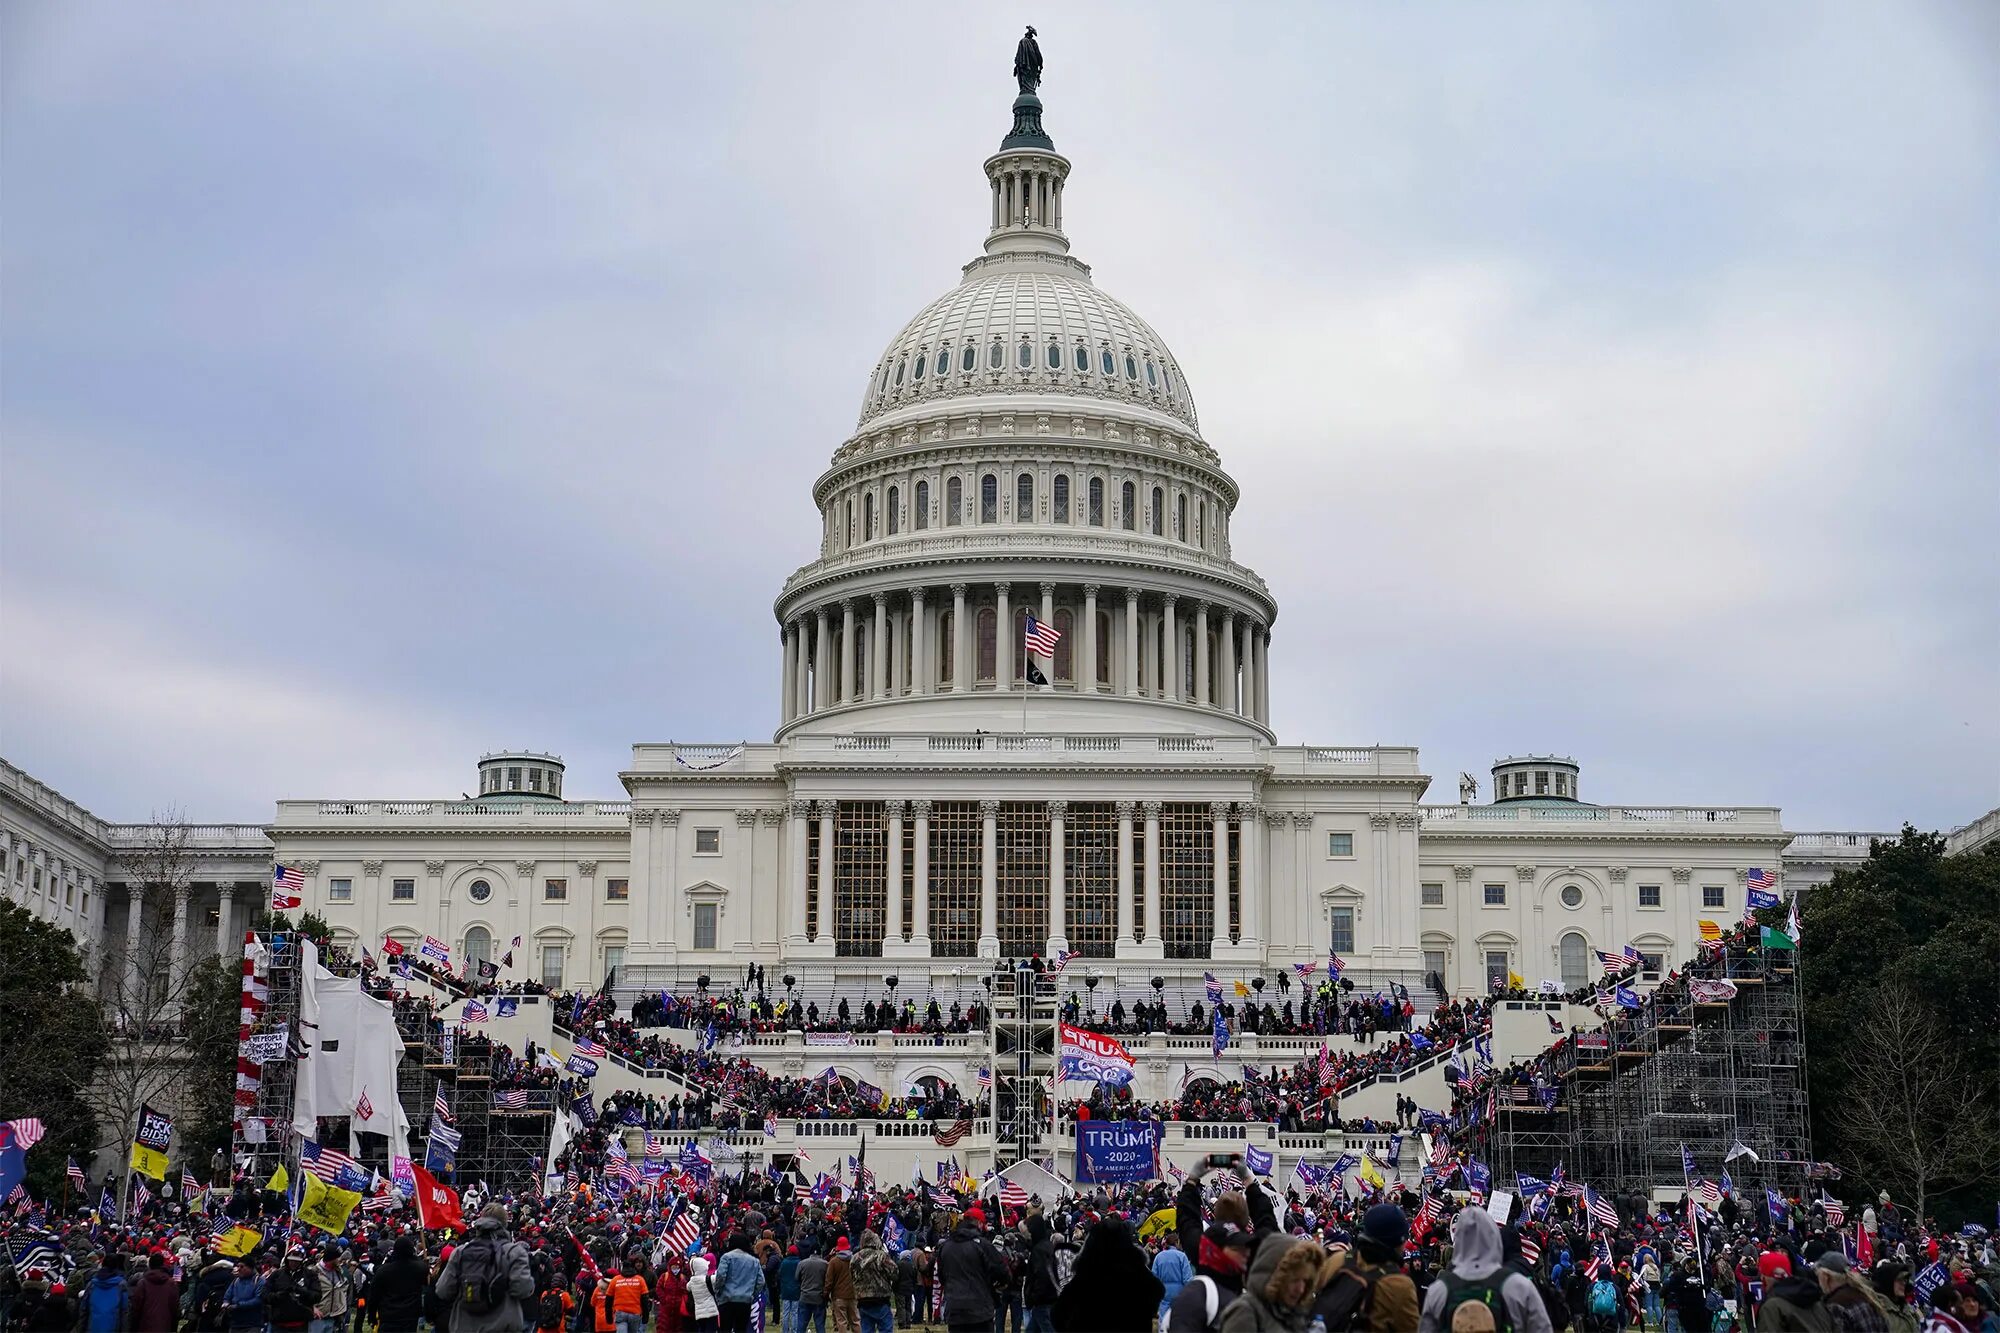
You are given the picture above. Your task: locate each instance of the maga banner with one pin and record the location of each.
(1116, 1151)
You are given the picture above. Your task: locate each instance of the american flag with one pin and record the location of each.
(1060, 961)
(1212, 986)
(76, 1174)
(443, 1108)
(943, 1198)
(1836, 1212)
(1335, 965)
(363, 1108)
(683, 1228)
(1433, 1208)
(1709, 1193)
(142, 1197)
(1599, 1260)
(288, 888)
(326, 1163)
(514, 1099)
(1613, 962)
(1041, 637)
(1600, 1207)
(1014, 1195)
(985, 1080)
(946, 1136)
(28, 1132)
(585, 1046)
(475, 1012)
(378, 1203)
(1305, 969)
(1760, 879)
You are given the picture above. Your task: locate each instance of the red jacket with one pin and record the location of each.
(155, 1302)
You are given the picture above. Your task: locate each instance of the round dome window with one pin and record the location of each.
(480, 891)
(1572, 896)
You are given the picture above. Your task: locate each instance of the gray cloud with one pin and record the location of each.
(388, 384)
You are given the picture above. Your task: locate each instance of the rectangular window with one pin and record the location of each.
(1649, 966)
(69, 893)
(1649, 895)
(1496, 969)
(340, 890)
(708, 842)
(1434, 962)
(955, 854)
(552, 966)
(1340, 844)
(1433, 895)
(1496, 895)
(1711, 895)
(555, 890)
(704, 925)
(614, 958)
(1343, 930)
(617, 890)
(402, 890)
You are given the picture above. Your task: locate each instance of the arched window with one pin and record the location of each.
(1059, 498)
(983, 657)
(1065, 663)
(850, 522)
(1180, 518)
(1151, 377)
(1159, 512)
(1024, 355)
(920, 518)
(1168, 376)
(1575, 954)
(868, 517)
(1082, 357)
(899, 370)
(1106, 361)
(989, 499)
(917, 366)
(478, 947)
(1024, 498)
(1128, 515)
(1131, 367)
(1055, 355)
(943, 361)
(1095, 512)
(996, 357)
(947, 646)
(970, 361)
(952, 505)
(1103, 647)
(893, 520)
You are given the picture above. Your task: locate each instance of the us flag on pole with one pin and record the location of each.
(76, 1174)
(363, 1108)
(1759, 879)
(1041, 637)
(946, 1135)
(288, 888)
(443, 1108)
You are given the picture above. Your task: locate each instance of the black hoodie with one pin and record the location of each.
(1040, 1287)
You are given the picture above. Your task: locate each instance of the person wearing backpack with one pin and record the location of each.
(1601, 1301)
(1365, 1290)
(487, 1277)
(1477, 1273)
(874, 1285)
(106, 1300)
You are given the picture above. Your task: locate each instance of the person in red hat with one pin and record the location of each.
(1791, 1304)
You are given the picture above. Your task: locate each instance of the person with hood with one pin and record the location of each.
(701, 1297)
(1221, 1253)
(1888, 1286)
(968, 1271)
(289, 1293)
(46, 1307)
(1687, 1298)
(1476, 1273)
(812, 1289)
(205, 1301)
(787, 1293)
(874, 1285)
(1791, 1304)
(106, 1301)
(1111, 1289)
(156, 1298)
(1038, 1284)
(395, 1292)
(1278, 1290)
(1365, 1287)
(738, 1278)
(670, 1298)
(336, 1293)
(492, 1258)
(1172, 1267)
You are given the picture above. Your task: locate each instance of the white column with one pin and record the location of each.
(921, 874)
(1153, 940)
(1087, 676)
(785, 674)
(135, 911)
(665, 877)
(1130, 684)
(1250, 866)
(1264, 675)
(825, 810)
(892, 926)
(226, 942)
(1228, 697)
(177, 949)
(795, 925)
(847, 650)
(897, 651)
(989, 878)
(1058, 926)
(822, 696)
(1049, 618)
(801, 667)
(1170, 657)
(1218, 816)
(920, 643)
(878, 657)
(1126, 916)
(1003, 638)
(1201, 653)
(961, 665)
(1249, 704)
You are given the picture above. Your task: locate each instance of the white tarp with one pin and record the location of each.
(353, 1049)
(1032, 1177)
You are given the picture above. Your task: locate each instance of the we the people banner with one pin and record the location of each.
(1112, 1152)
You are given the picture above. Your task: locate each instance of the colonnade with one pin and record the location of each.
(1127, 642)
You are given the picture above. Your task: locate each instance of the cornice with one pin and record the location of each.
(998, 771)
(619, 830)
(1624, 834)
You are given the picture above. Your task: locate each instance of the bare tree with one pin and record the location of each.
(149, 989)
(1917, 1116)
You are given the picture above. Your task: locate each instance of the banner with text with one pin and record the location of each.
(1116, 1151)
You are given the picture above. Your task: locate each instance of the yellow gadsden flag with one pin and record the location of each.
(326, 1206)
(1516, 980)
(238, 1241)
(1371, 1175)
(280, 1181)
(1157, 1224)
(149, 1161)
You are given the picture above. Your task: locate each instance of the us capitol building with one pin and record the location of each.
(934, 794)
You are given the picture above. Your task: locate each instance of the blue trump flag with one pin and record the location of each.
(1259, 1161)
(1110, 1152)
(1221, 1032)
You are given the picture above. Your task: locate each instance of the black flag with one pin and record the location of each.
(1035, 676)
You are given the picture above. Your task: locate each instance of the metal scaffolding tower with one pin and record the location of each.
(1022, 1030)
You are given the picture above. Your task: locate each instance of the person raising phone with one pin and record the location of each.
(1222, 1249)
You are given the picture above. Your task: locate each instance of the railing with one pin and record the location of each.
(806, 747)
(988, 539)
(1970, 837)
(1756, 818)
(1835, 842)
(509, 809)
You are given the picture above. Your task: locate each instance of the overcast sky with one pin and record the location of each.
(385, 384)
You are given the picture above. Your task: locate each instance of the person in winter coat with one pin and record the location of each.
(510, 1260)
(1278, 1290)
(336, 1293)
(290, 1292)
(840, 1288)
(1222, 1259)
(1172, 1267)
(1888, 1286)
(1688, 1298)
(243, 1302)
(395, 1293)
(701, 1297)
(1111, 1290)
(48, 1308)
(874, 1285)
(106, 1301)
(906, 1288)
(812, 1290)
(968, 1269)
(1390, 1302)
(1038, 1284)
(205, 1301)
(1846, 1297)
(156, 1298)
(670, 1299)
(1476, 1273)
(1791, 1304)
(738, 1278)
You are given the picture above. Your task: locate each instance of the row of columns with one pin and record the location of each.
(811, 670)
(227, 933)
(1130, 944)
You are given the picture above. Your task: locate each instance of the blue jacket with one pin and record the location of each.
(245, 1302)
(105, 1301)
(737, 1278)
(1171, 1266)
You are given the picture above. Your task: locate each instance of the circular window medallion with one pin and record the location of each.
(1572, 896)
(480, 891)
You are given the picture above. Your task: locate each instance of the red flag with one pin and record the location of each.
(437, 1204)
(1864, 1246)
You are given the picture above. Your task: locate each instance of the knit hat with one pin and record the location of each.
(1386, 1225)
(1833, 1261)
(1773, 1264)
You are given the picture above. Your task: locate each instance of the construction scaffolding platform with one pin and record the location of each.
(1022, 1028)
(1713, 1074)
